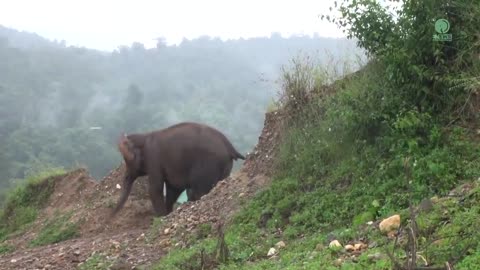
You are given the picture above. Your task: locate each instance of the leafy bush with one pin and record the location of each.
(420, 70)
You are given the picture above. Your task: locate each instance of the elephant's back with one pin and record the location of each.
(191, 140)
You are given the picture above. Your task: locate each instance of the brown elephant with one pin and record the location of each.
(186, 156)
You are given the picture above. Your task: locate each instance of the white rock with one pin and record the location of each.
(272, 251)
(13, 261)
(335, 243)
(118, 186)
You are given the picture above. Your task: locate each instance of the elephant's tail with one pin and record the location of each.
(237, 155)
(233, 152)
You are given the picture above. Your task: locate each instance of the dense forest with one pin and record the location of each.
(64, 106)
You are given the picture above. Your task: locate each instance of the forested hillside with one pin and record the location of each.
(66, 106)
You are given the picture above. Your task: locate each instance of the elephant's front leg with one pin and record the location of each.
(156, 194)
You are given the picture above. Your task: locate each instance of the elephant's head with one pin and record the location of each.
(131, 148)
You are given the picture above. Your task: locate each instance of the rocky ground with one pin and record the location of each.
(130, 239)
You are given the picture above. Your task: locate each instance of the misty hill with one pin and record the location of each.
(52, 95)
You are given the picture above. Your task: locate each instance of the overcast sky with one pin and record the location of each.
(106, 24)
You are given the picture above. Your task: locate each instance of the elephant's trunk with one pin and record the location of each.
(128, 182)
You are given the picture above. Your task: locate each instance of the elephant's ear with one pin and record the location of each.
(125, 149)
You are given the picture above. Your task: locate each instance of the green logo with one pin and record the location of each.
(441, 27)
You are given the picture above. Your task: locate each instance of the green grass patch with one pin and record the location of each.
(56, 230)
(22, 203)
(449, 231)
(5, 248)
(471, 261)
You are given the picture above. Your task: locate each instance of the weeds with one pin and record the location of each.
(5, 248)
(56, 230)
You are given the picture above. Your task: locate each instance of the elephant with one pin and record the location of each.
(186, 156)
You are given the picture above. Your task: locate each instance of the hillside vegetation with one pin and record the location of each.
(398, 137)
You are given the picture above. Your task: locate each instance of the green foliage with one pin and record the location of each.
(447, 232)
(5, 248)
(470, 262)
(338, 165)
(23, 202)
(420, 70)
(56, 230)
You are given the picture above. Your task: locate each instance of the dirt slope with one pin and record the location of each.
(129, 238)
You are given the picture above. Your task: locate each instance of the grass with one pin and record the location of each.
(248, 244)
(23, 202)
(5, 248)
(56, 230)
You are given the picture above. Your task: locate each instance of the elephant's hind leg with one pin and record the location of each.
(203, 177)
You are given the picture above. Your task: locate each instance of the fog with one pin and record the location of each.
(107, 24)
